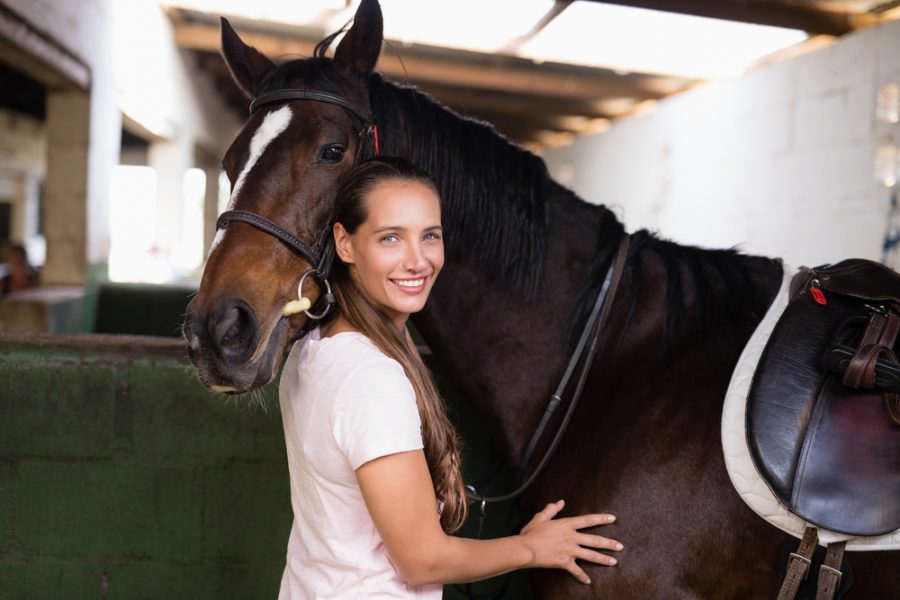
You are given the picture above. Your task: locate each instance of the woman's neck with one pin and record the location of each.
(335, 326)
(341, 325)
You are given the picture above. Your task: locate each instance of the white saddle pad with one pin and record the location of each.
(743, 473)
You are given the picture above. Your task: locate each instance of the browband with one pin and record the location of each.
(284, 95)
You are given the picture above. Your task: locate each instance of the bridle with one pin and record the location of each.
(321, 253)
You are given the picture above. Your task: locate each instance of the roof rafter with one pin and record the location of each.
(793, 16)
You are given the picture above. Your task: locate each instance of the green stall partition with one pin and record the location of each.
(121, 477)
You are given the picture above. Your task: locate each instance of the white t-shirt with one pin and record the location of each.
(343, 403)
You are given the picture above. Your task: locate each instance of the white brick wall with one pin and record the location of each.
(777, 162)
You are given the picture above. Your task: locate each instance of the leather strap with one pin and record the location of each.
(892, 399)
(830, 571)
(289, 94)
(599, 315)
(861, 370)
(798, 564)
(878, 339)
(321, 261)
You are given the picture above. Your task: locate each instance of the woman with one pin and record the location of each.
(376, 483)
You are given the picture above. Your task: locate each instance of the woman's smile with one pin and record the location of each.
(410, 286)
(398, 251)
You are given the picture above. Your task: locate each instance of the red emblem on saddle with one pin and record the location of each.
(818, 295)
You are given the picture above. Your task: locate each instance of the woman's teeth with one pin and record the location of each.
(409, 282)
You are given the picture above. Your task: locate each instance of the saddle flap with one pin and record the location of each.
(830, 453)
(849, 463)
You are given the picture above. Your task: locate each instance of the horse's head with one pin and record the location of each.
(284, 166)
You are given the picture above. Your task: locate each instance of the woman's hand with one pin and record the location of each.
(557, 543)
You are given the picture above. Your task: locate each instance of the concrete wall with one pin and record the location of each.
(777, 162)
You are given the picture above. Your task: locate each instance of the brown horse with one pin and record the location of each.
(526, 258)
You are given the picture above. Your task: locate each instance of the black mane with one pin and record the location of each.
(498, 220)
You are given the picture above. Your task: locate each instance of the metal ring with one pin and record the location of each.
(327, 291)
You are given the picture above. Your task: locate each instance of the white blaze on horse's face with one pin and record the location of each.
(273, 124)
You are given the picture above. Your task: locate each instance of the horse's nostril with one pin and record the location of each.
(234, 331)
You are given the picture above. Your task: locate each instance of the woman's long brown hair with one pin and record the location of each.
(440, 440)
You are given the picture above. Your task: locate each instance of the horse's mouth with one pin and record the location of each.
(234, 378)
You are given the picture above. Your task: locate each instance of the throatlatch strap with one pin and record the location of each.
(830, 572)
(798, 565)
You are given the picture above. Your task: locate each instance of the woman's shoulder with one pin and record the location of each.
(347, 352)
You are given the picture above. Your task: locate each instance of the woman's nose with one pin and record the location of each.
(415, 258)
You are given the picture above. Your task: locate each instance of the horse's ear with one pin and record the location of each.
(246, 63)
(358, 51)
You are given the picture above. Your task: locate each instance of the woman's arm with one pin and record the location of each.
(400, 497)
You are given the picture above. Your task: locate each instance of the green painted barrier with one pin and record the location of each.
(122, 477)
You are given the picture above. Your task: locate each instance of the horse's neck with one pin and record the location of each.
(506, 353)
(505, 350)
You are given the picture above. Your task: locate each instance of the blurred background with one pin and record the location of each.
(769, 125)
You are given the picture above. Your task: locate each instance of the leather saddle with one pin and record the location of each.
(823, 413)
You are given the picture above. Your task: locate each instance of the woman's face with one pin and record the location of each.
(397, 253)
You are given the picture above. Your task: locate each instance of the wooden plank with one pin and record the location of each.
(488, 72)
(477, 100)
(42, 58)
(778, 14)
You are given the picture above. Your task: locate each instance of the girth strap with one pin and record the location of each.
(798, 564)
(830, 571)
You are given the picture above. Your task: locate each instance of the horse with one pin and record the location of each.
(525, 260)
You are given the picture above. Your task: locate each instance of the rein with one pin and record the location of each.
(321, 254)
(597, 319)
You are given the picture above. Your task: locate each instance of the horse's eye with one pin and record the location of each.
(332, 155)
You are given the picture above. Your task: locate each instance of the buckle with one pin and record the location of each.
(805, 563)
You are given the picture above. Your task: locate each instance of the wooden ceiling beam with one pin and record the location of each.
(508, 74)
(476, 102)
(793, 16)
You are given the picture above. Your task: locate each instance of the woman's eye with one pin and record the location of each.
(389, 238)
(432, 236)
(332, 155)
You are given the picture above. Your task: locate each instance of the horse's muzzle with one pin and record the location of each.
(223, 347)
